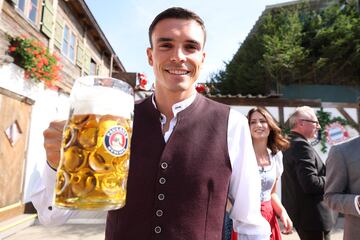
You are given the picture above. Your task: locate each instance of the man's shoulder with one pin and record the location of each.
(141, 102)
(206, 106)
(298, 144)
(352, 143)
(214, 103)
(296, 138)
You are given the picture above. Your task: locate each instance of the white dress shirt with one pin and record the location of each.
(244, 191)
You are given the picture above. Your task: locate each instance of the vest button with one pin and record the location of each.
(161, 196)
(157, 229)
(159, 213)
(164, 165)
(162, 180)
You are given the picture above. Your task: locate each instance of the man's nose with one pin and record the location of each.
(178, 55)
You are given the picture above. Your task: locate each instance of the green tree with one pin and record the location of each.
(243, 74)
(281, 38)
(333, 42)
(296, 44)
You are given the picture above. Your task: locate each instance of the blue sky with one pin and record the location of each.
(125, 24)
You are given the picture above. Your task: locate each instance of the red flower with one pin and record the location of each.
(143, 82)
(200, 88)
(57, 58)
(52, 87)
(27, 75)
(39, 64)
(35, 58)
(45, 61)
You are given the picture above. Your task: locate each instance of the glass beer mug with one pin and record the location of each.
(95, 149)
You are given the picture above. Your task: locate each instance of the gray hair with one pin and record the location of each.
(303, 111)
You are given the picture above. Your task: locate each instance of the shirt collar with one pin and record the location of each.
(178, 107)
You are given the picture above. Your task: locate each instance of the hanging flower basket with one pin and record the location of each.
(34, 57)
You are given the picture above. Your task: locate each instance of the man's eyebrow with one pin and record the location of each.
(194, 42)
(165, 39)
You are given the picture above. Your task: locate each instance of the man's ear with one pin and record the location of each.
(149, 55)
(203, 60)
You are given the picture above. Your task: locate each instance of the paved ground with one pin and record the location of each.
(96, 232)
(65, 232)
(336, 234)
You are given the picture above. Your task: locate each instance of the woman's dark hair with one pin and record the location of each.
(276, 141)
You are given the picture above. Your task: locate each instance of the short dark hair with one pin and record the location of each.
(177, 13)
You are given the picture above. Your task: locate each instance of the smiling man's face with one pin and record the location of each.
(177, 55)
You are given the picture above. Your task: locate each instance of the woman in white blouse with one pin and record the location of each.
(268, 144)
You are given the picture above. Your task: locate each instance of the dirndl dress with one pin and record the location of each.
(268, 213)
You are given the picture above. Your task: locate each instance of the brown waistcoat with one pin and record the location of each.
(177, 190)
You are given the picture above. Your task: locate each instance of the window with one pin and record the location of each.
(65, 43)
(72, 47)
(30, 9)
(68, 43)
(33, 10)
(92, 67)
(21, 5)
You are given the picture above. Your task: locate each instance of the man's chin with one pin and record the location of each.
(181, 86)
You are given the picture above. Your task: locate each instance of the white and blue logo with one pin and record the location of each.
(116, 141)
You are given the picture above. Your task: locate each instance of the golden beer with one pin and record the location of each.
(95, 162)
(95, 150)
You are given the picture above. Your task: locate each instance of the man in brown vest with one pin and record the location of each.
(188, 154)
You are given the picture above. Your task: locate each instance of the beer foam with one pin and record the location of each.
(101, 101)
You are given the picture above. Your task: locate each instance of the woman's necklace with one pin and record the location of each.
(263, 161)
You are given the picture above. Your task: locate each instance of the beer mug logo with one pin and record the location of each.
(116, 141)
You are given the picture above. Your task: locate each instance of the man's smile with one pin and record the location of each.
(177, 71)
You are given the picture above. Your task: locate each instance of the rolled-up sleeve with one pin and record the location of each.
(245, 184)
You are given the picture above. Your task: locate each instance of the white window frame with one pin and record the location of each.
(28, 5)
(93, 67)
(68, 47)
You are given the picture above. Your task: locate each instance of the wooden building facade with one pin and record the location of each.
(67, 28)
